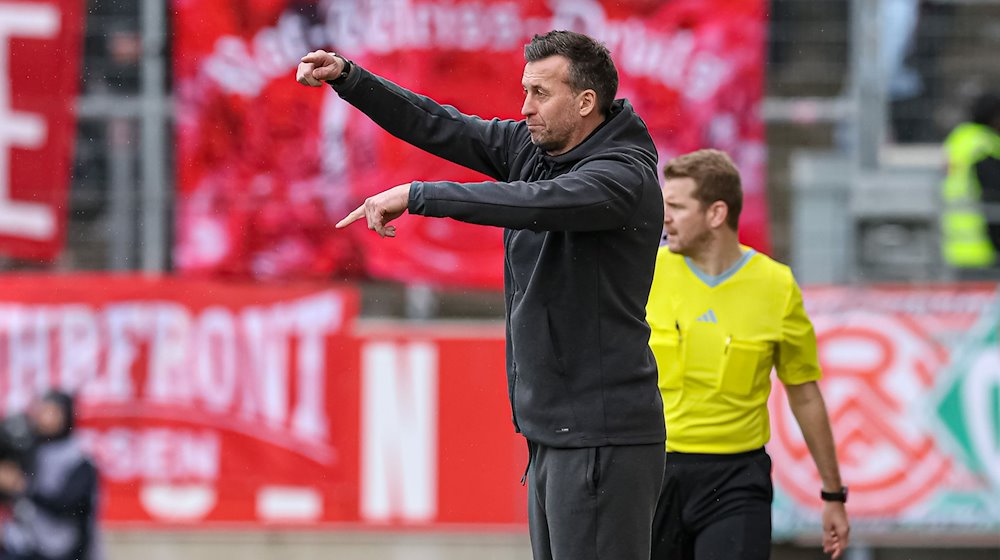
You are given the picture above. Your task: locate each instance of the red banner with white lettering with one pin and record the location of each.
(266, 166)
(221, 405)
(197, 398)
(40, 57)
(209, 404)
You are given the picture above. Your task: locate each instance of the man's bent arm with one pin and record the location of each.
(600, 195)
(470, 141)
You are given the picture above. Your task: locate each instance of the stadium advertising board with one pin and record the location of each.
(912, 386)
(265, 166)
(217, 405)
(40, 53)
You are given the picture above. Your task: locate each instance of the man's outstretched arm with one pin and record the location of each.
(600, 196)
(481, 145)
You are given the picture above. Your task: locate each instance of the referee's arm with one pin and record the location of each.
(798, 369)
(809, 409)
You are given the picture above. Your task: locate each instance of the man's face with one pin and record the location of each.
(684, 219)
(47, 417)
(550, 107)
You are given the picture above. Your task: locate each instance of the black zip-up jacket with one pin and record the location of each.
(582, 231)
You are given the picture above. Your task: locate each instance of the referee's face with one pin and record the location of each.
(684, 219)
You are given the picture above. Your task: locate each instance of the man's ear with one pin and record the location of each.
(587, 100)
(718, 211)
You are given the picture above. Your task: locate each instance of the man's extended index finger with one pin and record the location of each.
(352, 217)
(317, 56)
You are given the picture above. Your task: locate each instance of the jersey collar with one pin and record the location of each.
(714, 280)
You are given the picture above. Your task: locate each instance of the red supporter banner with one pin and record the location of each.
(219, 405)
(40, 58)
(212, 404)
(266, 166)
(196, 397)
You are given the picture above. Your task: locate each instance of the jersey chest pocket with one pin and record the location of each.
(742, 361)
(666, 346)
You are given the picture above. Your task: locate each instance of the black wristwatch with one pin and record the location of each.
(838, 496)
(343, 73)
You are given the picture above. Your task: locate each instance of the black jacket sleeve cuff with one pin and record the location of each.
(417, 204)
(352, 80)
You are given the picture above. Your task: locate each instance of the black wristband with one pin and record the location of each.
(838, 496)
(343, 73)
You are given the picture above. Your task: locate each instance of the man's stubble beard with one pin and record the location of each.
(548, 145)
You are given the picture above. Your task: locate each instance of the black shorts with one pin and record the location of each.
(714, 507)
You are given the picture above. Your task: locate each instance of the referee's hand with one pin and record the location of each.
(836, 529)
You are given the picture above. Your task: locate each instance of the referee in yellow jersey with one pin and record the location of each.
(722, 316)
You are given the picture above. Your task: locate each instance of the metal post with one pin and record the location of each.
(421, 302)
(867, 125)
(868, 83)
(155, 198)
(122, 204)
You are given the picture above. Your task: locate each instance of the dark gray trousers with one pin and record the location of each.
(593, 503)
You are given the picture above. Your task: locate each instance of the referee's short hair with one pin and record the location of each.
(716, 178)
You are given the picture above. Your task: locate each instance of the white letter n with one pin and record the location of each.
(399, 432)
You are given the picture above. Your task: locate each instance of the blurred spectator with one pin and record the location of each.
(971, 192)
(54, 497)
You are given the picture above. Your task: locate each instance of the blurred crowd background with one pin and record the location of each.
(877, 84)
(251, 382)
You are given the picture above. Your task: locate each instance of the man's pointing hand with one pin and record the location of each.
(381, 209)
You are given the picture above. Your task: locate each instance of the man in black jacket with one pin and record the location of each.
(576, 191)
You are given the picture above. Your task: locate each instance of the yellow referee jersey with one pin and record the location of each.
(716, 340)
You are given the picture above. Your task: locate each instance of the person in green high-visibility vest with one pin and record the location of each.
(970, 221)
